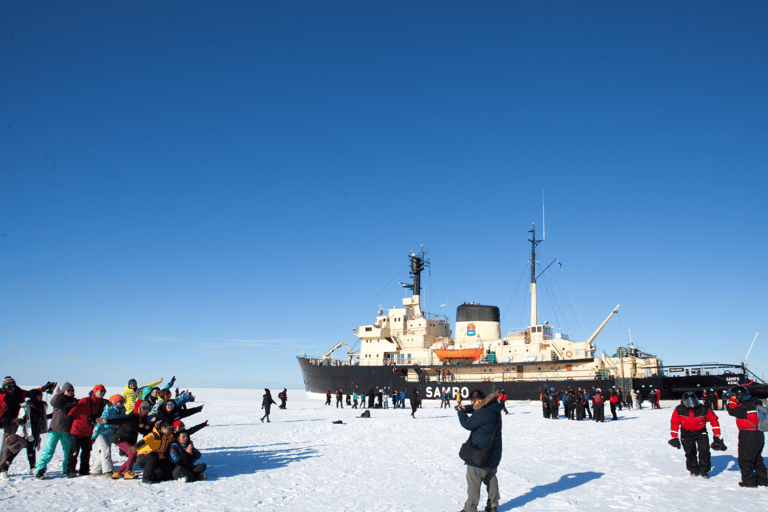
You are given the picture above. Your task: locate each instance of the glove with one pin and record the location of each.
(718, 445)
(48, 387)
(675, 442)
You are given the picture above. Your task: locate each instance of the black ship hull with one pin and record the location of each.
(321, 378)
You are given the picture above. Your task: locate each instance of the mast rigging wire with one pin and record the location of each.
(359, 310)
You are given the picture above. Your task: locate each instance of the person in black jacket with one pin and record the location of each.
(170, 413)
(127, 434)
(554, 404)
(36, 415)
(339, 399)
(266, 404)
(58, 430)
(578, 397)
(283, 396)
(184, 454)
(415, 401)
(485, 425)
(13, 397)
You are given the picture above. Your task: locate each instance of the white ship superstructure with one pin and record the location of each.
(421, 348)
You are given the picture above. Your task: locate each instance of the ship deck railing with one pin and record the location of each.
(511, 377)
(701, 369)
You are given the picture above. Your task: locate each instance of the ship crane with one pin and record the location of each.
(350, 354)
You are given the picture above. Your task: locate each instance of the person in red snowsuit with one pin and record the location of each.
(740, 404)
(614, 401)
(691, 418)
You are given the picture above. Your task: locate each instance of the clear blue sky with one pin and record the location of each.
(207, 190)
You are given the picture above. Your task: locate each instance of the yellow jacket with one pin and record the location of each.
(156, 442)
(131, 395)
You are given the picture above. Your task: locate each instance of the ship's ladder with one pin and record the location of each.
(559, 352)
(609, 362)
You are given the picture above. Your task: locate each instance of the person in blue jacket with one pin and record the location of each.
(483, 418)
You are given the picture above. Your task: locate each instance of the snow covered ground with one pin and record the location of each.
(302, 461)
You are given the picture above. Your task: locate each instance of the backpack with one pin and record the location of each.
(598, 399)
(366, 414)
(762, 418)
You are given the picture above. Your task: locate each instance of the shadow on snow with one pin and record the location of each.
(229, 462)
(565, 483)
(722, 463)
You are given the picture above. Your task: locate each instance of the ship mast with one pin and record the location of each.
(534, 243)
(417, 265)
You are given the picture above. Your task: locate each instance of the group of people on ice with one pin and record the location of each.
(144, 423)
(374, 399)
(576, 402)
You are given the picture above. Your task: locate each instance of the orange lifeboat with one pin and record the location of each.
(462, 354)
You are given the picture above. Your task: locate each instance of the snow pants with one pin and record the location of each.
(475, 478)
(83, 446)
(600, 412)
(155, 468)
(753, 471)
(191, 474)
(131, 457)
(696, 441)
(51, 440)
(103, 462)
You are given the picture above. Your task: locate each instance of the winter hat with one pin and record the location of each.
(8, 381)
(34, 394)
(67, 387)
(99, 387)
(133, 381)
(116, 398)
(178, 424)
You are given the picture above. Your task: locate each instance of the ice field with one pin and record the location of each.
(391, 462)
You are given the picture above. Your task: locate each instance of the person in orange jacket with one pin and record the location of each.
(690, 418)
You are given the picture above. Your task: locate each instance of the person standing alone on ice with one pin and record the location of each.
(266, 404)
(485, 426)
